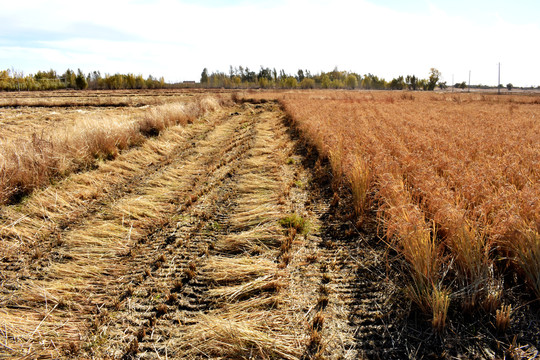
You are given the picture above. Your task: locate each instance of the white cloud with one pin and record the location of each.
(177, 39)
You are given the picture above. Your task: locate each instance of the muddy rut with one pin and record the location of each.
(217, 240)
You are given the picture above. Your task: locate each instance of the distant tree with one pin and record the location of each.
(301, 75)
(93, 79)
(461, 85)
(397, 83)
(509, 86)
(434, 76)
(290, 83)
(307, 83)
(412, 82)
(265, 73)
(351, 81)
(204, 76)
(69, 78)
(249, 76)
(371, 81)
(264, 82)
(442, 85)
(80, 80)
(139, 82)
(337, 75)
(325, 81)
(337, 84)
(130, 81)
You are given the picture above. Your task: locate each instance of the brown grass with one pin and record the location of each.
(503, 318)
(237, 335)
(456, 178)
(101, 98)
(28, 164)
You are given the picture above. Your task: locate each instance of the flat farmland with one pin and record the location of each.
(293, 225)
(454, 180)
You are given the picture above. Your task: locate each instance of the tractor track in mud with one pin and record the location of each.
(203, 252)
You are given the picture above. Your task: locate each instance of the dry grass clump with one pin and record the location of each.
(265, 284)
(27, 164)
(412, 237)
(243, 278)
(256, 240)
(296, 222)
(526, 256)
(93, 139)
(228, 271)
(163, 116)
(455, 182)
(360, 183)
(236, 335)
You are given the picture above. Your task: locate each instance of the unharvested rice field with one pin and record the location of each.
(269, 225)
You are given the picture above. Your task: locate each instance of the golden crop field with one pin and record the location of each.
(455, 181)
(269, 224)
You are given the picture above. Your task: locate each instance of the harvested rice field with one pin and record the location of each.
(268, 225)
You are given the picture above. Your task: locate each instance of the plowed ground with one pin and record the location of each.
(222, 239)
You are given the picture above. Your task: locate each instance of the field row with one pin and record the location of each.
(340, 228)
(455, 183)
(30, 160)
(203, 241)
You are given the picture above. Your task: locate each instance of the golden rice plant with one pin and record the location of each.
(360, 181)
(464, 167)
(471, 255)
(503, 318)
(525, 247)
(440, 301)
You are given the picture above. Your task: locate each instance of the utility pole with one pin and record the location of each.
(499, 81)
(469, 81)
(453, 85)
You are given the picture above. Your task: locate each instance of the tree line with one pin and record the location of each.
(243, 77)
(236, 78)
(12, 80)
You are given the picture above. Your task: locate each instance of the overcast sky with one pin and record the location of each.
(178, 38)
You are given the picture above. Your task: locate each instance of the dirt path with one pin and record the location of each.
(214, 241)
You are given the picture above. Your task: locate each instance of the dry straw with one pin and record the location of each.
(240, 336)
(28, 164)
(456, 163)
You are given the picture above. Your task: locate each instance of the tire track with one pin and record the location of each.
(90, 252)
(225, 266)
(351, 309)
(38, 225)
(165, 265)
(228, 246)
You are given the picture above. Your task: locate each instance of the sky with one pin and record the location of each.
(176, 39)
